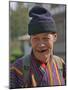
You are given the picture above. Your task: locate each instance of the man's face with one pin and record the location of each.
(42, 45)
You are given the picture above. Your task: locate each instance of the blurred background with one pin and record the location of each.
(19, 43)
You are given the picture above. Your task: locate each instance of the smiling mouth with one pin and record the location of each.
(42, 51)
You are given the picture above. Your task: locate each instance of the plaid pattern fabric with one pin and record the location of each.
(40, 74)
(45, 75)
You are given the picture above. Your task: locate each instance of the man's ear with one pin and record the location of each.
(55, 37)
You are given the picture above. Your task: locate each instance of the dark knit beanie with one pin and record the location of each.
(41, 22)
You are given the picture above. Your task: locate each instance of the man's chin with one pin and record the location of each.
(42, 58)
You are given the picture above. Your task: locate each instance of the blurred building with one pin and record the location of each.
(59, 13)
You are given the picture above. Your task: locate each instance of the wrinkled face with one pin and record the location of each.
(42, 45)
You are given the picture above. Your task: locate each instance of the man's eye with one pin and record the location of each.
(45, 38)
(35, 39)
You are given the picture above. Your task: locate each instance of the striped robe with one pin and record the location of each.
(40, 74)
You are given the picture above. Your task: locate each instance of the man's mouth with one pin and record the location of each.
(42, 51)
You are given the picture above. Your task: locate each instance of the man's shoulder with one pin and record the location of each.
(18, 64)
(20, 60)
(59, 61)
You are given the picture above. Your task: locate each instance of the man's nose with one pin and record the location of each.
(41, 44)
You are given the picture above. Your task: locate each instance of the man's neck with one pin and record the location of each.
(48, 59)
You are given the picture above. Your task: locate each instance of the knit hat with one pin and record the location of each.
(41, 22)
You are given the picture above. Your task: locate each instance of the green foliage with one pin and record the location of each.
(15, 53)
(18, 21)
(18, 25)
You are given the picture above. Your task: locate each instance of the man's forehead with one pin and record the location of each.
(42, 34)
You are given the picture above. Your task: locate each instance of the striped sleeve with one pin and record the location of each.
(16, 75)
